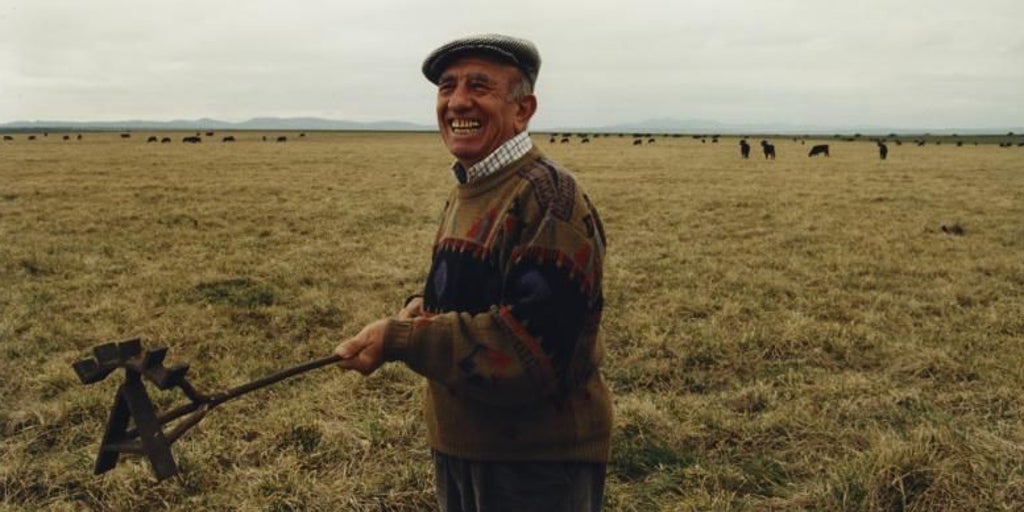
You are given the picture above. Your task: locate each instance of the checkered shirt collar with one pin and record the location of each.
(512, 150)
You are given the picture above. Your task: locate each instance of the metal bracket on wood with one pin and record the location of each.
(133, 406)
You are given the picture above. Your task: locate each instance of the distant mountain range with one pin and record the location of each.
(658, 125)
(704, 126)
(258, 123)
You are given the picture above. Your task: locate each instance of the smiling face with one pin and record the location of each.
(475, 112)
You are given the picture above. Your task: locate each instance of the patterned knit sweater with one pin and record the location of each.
(508, 342)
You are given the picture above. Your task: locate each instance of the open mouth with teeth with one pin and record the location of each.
(464, 126)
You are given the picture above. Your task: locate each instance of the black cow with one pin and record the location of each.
(650, 140)
(31, 137)
(229, 138)
(282, 139)
(820, 149)
(192, 139)
(638, 142)
(585, 140)
(883, 150)
(152, 138)
(165, 140)
(209, 134)
(769, 150)
(126, 135)
(8, 137)
(744, 149)
(564, 140)
(67, 137)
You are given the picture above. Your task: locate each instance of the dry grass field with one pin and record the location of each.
(797, 334)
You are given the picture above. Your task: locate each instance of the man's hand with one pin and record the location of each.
(412, 310)
(364, 352)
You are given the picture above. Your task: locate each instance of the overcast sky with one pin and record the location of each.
(898, 63)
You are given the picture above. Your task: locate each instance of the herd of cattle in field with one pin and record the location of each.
(768, 148)
(189, 139)
(639, 139)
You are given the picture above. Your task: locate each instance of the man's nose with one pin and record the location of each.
(460, 98)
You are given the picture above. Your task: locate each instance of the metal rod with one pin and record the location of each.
(270, 379)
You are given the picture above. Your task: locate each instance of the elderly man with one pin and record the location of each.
(506, 328)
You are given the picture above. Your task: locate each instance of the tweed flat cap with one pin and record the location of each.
(518, 52)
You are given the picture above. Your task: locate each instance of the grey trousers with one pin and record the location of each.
(488, 486)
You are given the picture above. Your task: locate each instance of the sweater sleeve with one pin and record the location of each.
(536, 341)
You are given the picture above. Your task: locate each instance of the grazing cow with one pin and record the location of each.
(264, 138)
(67, 137)
(585, 140)
(650, 140)
(31, 137)
(192, 139)
(79, 137)
(209, 134)
(229, 138)
(565, 140)
(126, 135)
(303, 134)
(638, 142)
(282, 139)
(820, 149)
(551, 140)
(152, 138)
(8, 137)
(744, 149)
(769, 150)
(714, 140)
(165, 140)
(883, 150)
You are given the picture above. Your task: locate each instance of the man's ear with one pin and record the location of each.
(526, 107)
